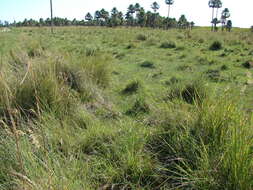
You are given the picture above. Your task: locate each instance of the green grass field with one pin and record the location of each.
(126, 108)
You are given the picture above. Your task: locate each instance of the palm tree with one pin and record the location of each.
(155, 6)
(212, 5)
(51, 9)
(88, 17)
(169, 3)
(131, 9)
(218, 4)
(224, 15)
(97, 16)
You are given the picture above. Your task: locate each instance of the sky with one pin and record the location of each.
(195, 10)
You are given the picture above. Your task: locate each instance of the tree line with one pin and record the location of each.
(135, 15)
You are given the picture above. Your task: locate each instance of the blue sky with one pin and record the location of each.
(195, 10)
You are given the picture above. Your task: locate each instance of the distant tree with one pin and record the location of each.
(114, 20)
(251, 28)
(121, 18)
(229, 25)
(41, 22)
(192, 24)
(224, 16)
(97, 15)
(88, 17)
(137, 8)
(169, 3)
(212, 4)
(169, 23)
(155, 6)
(215, 22)
(129, 19)
(131, 9)
(6, 23)
(218, 5)
(105, 16)
(141, 17)
(130, 15)
(182, 22)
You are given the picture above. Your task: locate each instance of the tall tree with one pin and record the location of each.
(88, 17)
(182, 22)
(169, 3)
(218, 5)
(155, 6)
(97, 15)
(224, 16)
(114, 21)
(229, 25)
(212, 4)
(141, 17)
(51, 10)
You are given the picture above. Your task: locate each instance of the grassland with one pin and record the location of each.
(126, 108)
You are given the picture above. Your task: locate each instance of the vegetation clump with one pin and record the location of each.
(215, 46)
(213, 74)
(167, 45)
(193, 92)
(148, 64)
(131, 87)
(140, 107)
(172, 81)
(141, 37)
(248, 64)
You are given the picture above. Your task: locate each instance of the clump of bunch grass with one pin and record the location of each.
(205, 148)
(215, 46)
(140, 107)
(141, 37)
(166, 45)
(148, 64)
(132, 87)
(191, 92)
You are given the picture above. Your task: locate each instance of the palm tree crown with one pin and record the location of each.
(169, 2)
(225, 13)
(155, 6)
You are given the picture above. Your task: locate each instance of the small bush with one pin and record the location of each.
(166, 45)
(148, 64)
(215, 46)
(132, 87)
(141, 37)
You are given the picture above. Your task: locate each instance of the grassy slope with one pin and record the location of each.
(68, 121)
